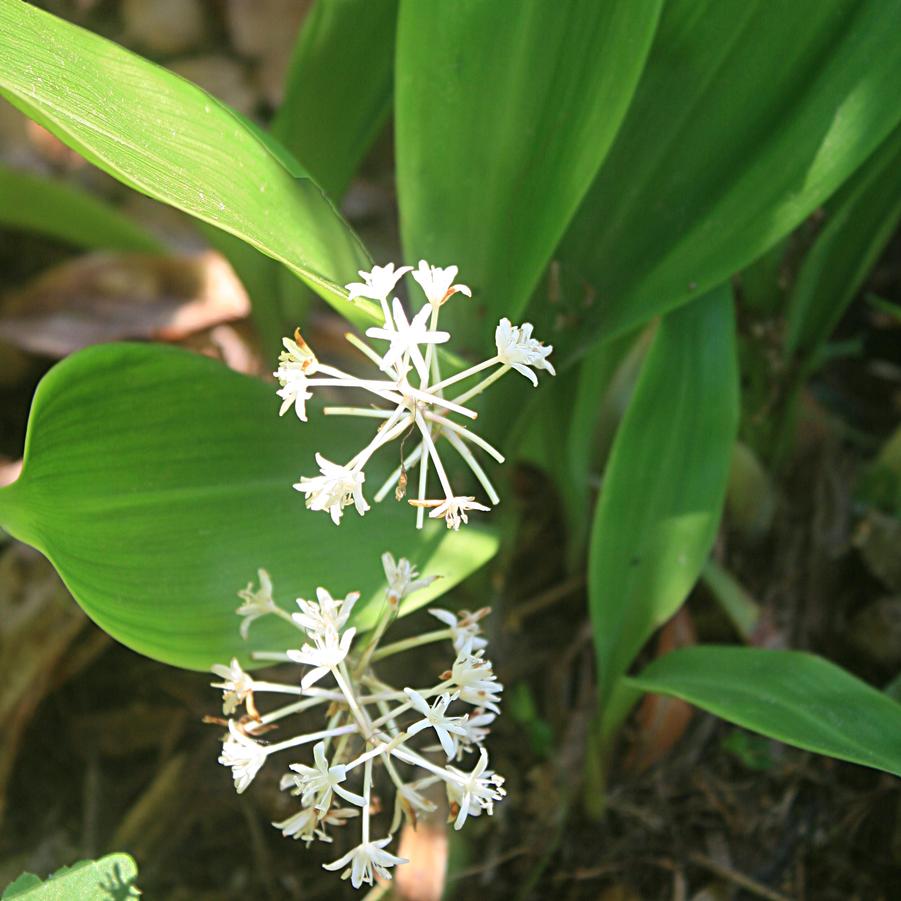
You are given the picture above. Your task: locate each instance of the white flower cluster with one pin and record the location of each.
(367, 722)
(412, 386)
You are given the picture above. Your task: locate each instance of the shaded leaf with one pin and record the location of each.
(860, 220)
(157, 482)
(504, 112)
(50, 207)
(797, 698)
(665, 482)
(747, 117)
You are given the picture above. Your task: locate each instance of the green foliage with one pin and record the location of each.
(746, 118)
(794, 697)
(157, 482)
(109, 879)
(665, 482)
(860, 220)
(47, 207)
(504, 113)
(338, 90)
(165, 137)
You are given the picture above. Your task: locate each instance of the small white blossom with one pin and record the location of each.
(436, 282)
(435, 717)
(452, 510)
(404, 338)
(464, 627)
(476, 729)
(317, 783)
(308, 823)
(327, 651)
(475, 791)
(336, 488)
(295, 364)
(378, 283)
(362, 860)
(243, 755)
(256, 603)
(474, 679)
(517, 348)
(324, 615)
(236, 685)
(402, 577)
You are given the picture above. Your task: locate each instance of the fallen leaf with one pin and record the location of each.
(103, 297)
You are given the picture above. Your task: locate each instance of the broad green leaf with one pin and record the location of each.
(747, 117)
(797, 698)
(49, 207)
(338, 89)
(165, 137)
(109, 879)
(665, 482)
(504, 112)
(860, 220)
(157, 482)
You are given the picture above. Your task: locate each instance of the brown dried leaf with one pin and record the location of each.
(422, 879)
(661, 721)
(113, 296)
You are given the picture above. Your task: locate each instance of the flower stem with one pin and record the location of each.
(406, 644)
(465, 374)
(481, 386)
(310, 737)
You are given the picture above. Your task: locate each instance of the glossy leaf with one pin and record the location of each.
(338, 88)
(109, 877)
(665, 482)
(157, 482)
(860, 220)
(797, 698)
(50, 207)
(504, 112)
(165, 137)
(747, 117)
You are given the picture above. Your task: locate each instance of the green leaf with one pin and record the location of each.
(797, 698)
(860, 220)
(109, 879)
(747, 117)
(157, 482)
(504, 112)
(165, 137)
(665, 482)
(49, 207)
(338, 89)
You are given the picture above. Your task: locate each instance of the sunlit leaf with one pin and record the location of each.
(157, 482)
(111, 877)
(504, 111)
(797, 698)
(165, 137)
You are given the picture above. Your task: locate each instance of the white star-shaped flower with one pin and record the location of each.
(325, 614)
(475, 791)
(362, 860)
(435, 717)
(256, 603)
(404, 337)
(308, 823)
(336, 488)
(452, 510)
(403, 578)
(326, 652)
(464, 627)
(243, 755)
(317, 783)
(436, 282)
(236, 685)
(378, 283)
(295, 364)
(517, 348)
(476, 683)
